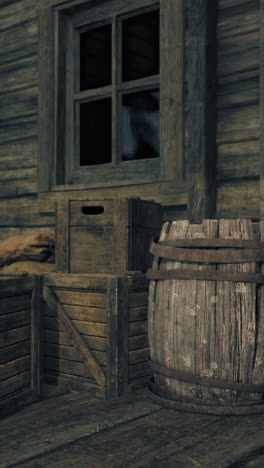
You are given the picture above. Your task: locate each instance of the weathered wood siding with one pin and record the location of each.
(238, 35)
(21, 217)
(238, 112)
(18, 98)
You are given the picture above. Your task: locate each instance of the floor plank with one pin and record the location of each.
(50, 424)
(128, 443)
(78, 431)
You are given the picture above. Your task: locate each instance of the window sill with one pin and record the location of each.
(128, 172)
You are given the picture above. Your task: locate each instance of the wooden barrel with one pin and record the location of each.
(206, 316)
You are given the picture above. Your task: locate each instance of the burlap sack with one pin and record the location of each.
(36, 247)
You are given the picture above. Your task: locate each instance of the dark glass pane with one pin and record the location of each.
(140, 36)
(140, 125)
(95, 132)
(95, 58)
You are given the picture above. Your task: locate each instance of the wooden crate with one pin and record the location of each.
(105, 236)
(19, 342)
(95, 332)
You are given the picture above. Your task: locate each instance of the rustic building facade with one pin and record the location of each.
(188, 75)
(236, 110)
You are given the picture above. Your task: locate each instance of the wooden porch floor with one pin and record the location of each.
(75, 430)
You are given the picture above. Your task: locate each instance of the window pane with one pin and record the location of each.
(95, 58)
(140, 36)
(95, 132)
(140, 125)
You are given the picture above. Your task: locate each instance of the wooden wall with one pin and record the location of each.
(18, 98)
(18, 216)
(238, 36)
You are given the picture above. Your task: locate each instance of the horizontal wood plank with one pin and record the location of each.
(240, 77)
(238, 84)
(25, 217)
(11, 40)
(19, 103)
(239, 199)
(223, 4)
(237, 43)
(138, 299)
(243, 62)
(138, 342)
(15, 303)
(12, 368)
(85, 328)
(15, 320)
(238, 167)
(137, 282)
(17, 188)
(138, 313)
(20, 153)
(69, 382)
(15, 175)
(15, 383)
(69, 353)
(238, 136)
(82, 298)
(15, 13)
(137, 328)
(21, 127)
(63, 338)
(138, 356)
(19, 75)
(238, 16)
(16, 335)
(67, 367)
(139, 370)
(18, 350)
(167, 193)
(241, 98)
(87, 314)
(232, 150)
(238, 119)
(91, 283)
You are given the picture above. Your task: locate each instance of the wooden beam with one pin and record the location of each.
(171, 78)
(118, 338)
(36, 337)
(261, 69)
(200, 123)
(62, 236)
(45, 100)
(57, 3)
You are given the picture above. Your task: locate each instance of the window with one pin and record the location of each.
(114, 115)
(136, 114)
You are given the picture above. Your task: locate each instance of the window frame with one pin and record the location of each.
(169, 166)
